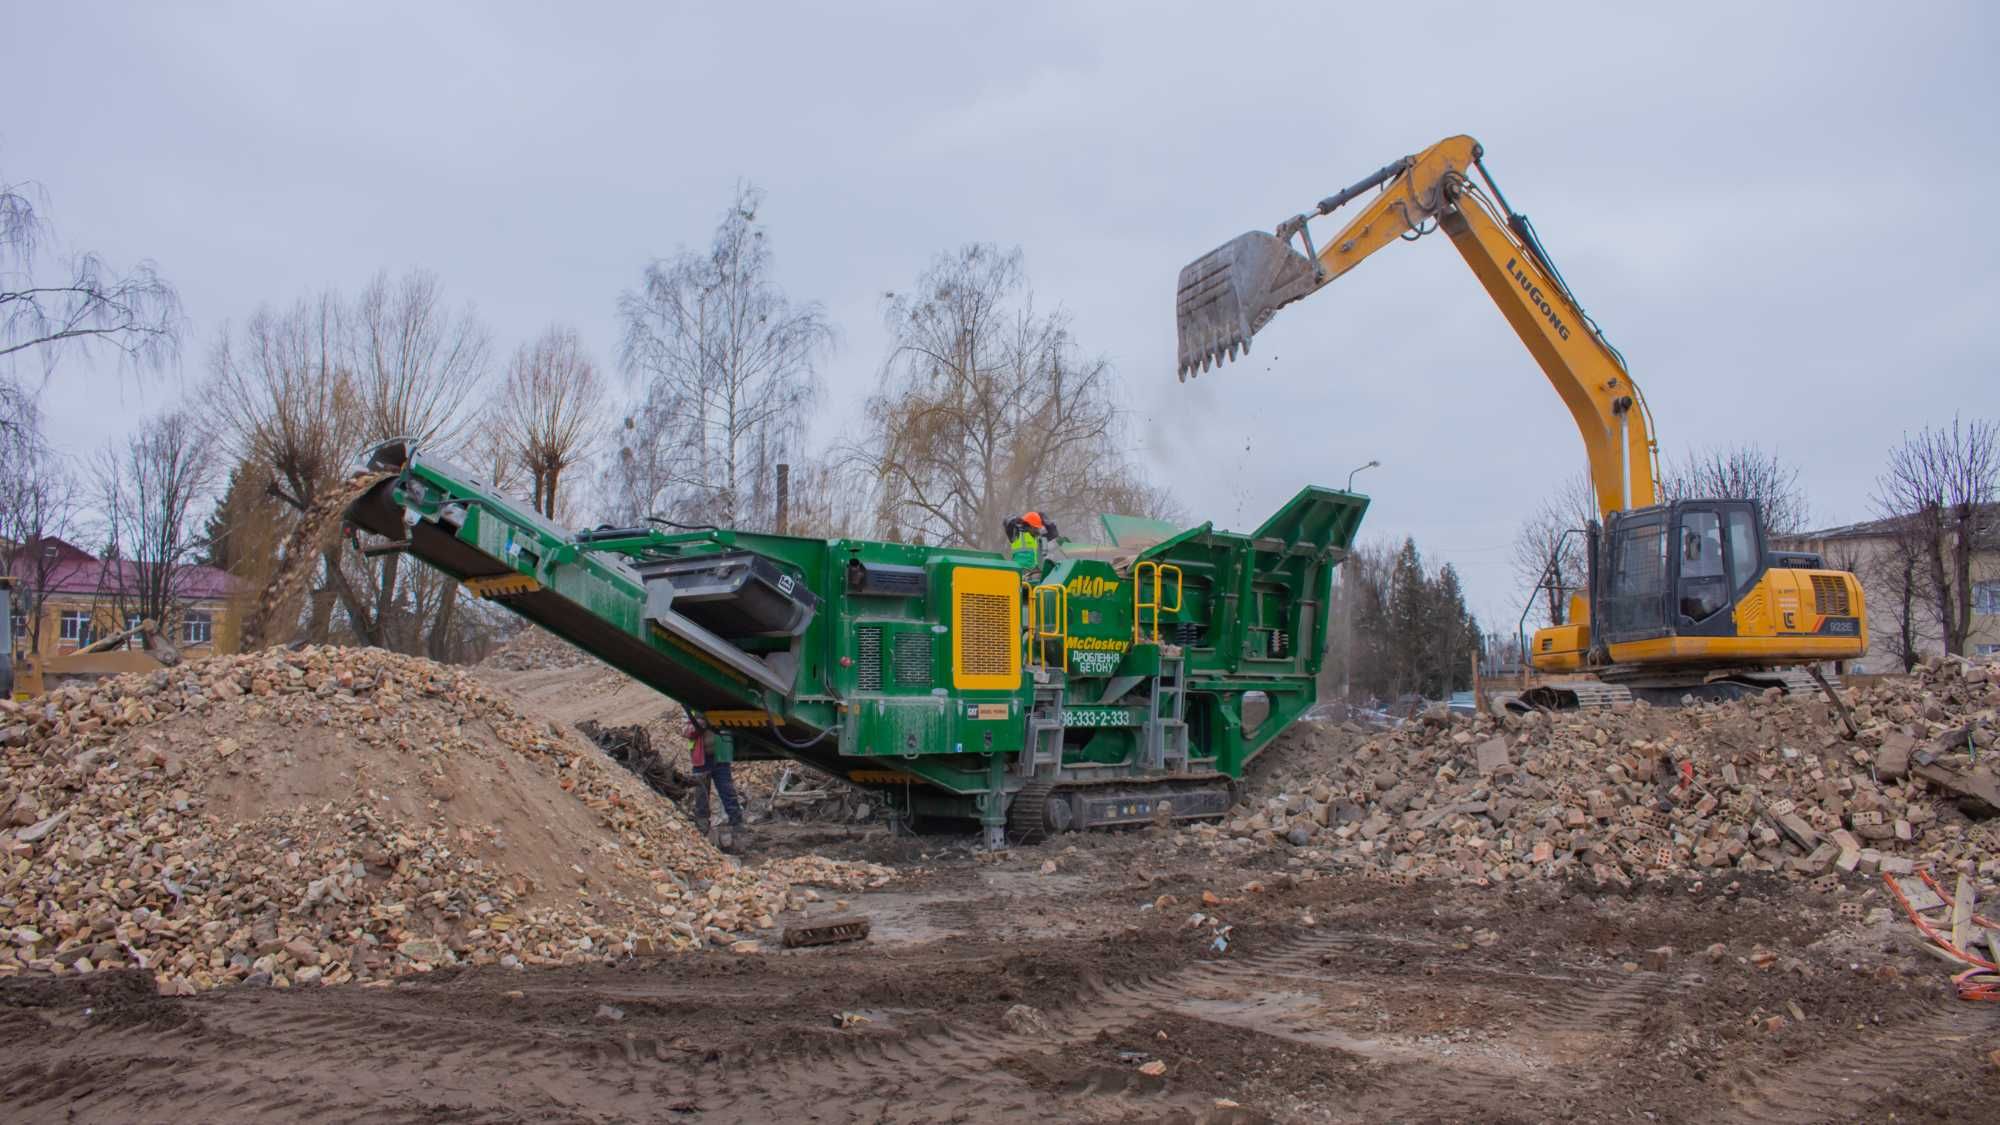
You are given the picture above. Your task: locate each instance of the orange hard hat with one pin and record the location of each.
(1033, 519)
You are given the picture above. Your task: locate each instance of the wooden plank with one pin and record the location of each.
(1961, 912)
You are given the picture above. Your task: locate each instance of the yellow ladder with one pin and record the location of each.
(1048, 620)
(1141, 601)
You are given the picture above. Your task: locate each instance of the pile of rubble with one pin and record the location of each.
(535, 650)
(1773, 784)
(324, 815)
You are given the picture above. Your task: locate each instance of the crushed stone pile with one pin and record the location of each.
(1771, 784)
(536, 650)
(328, 814)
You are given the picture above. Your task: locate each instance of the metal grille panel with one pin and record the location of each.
(986, 643)
(1830, 595)
(913, 659)
(868, 658)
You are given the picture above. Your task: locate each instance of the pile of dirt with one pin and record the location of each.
(331, 814)
(1771, 784)
(554, 678)
(536, 650)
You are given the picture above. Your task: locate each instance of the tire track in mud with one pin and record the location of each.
(1853, 1075)
(959, 1061)
(397, 1056)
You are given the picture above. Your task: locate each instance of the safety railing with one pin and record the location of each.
(1154, 599)
(1048, 620)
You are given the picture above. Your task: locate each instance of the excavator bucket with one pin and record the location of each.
(1228, 294)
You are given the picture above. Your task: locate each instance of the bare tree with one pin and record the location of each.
(1741, 473)
(85, 302)
(284, 395)
(831, 499)
(987, 408)
(1897, 579)
(727, 365)
(1941, 487)
(417, 368)
(416, 365)
(549, 411)
(1549, 562)
(150, 491)
(38, 504)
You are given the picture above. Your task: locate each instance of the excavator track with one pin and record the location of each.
(1028, 814)
(1648, 685)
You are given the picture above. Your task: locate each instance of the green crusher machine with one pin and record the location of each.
(1113, 684)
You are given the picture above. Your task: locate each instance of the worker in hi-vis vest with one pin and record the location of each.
(1026, 534)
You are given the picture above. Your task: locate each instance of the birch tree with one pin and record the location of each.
(727, 369)
(51, 302)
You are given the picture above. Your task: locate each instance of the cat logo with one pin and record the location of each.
(1090, 586)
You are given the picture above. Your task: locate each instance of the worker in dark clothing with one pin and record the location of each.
(710, 752)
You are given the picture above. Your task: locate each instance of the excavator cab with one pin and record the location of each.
(1674, 569)
(1695, 583)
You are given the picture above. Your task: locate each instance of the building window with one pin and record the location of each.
(76, 628)
(198, 628)
(20, 625)
(1986, 650)
(1986, 598)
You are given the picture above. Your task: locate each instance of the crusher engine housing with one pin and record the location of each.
(1113, 684)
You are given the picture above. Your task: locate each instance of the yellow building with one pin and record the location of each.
(1901, 604)
(65, 598)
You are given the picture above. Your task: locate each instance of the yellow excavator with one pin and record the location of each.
(1684, 598)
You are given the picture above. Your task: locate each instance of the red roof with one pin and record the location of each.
(77, 571)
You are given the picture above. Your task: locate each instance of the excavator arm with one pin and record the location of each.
(1230, 294)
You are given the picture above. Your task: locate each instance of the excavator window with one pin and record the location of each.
(1744, 550)
(1704, 588)
(1637, 587)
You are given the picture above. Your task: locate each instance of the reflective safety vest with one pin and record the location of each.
(1027, 549)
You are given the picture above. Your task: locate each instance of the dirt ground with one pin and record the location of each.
(995, 989)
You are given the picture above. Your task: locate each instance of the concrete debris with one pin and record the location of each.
(1025, 1019)
(367, 815)
(1769, 784)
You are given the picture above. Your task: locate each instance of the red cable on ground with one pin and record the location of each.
(1967, 987)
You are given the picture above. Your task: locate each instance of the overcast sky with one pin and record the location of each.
(1776, 211)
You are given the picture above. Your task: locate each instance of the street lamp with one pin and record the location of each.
(1350, 475)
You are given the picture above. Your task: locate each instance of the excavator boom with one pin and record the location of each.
(1689, 586)
(1229, 294)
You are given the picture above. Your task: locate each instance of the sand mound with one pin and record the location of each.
(333, 814)
(1766, 785)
